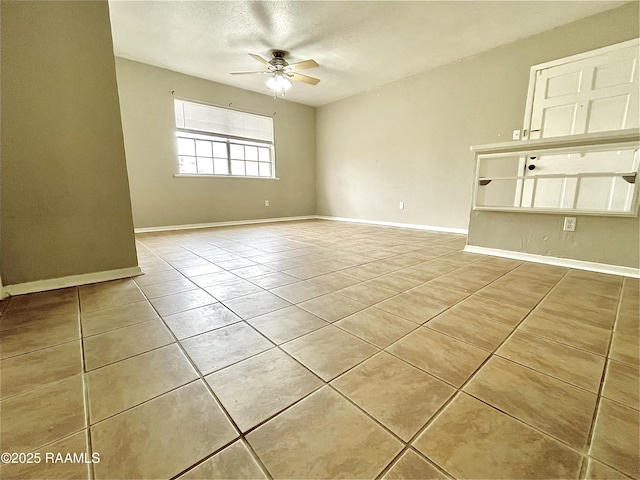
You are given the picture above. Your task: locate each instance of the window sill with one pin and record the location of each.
(242, 177)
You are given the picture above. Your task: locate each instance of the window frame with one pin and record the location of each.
(228, 140)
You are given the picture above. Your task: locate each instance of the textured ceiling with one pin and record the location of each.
(359, 45)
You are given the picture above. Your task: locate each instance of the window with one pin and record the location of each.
(219, 141)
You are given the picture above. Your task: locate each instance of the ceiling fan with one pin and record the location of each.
(282, 72)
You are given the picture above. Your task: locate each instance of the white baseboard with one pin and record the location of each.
(71, 281)
(192, 226)
(415, 226)
(557, 261)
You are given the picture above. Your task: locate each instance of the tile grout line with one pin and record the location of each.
(85, 388)
(603, 377)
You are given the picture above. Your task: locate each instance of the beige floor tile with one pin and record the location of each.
(234, 463)
(366, 272)
(211, 279)
(252, 271)
(40, 416)
(600, 471)
(274, 280)
(235, 263)
(616, 437)
(368, 293)
(179, 302)
(332, 307)
(334, 281)
(158, 277)
(116, 345)
(167, 288)
(66, 298)
(622, 384)
(33, 370)
(232, 289)
(412, 466)
(329, 351)
(48, 332)
(572, 365)
(300, 291)
(421, 303)
(399, 396)
(27, 317)
(116, 317)
(256, 304)
(551, 405)
(469, 279)
(445, 357)
(524, 292)
(469, 439)
(203, 269)
(200, 320)
(51, 465)
(577, 312)
(625, 349)
(323, 436)
(261, 386)
(395, 281)
(286, 324)
(220, 348)
(102, 295)
(157, 444)
(128, 383)
(472, 329)
(308, 271)
(376, 326)
(568, 331)
(489, 309)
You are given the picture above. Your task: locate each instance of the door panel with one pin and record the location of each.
(593, 94)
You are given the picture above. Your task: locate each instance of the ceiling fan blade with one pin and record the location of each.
(304, 78)
(246, 73)
(260, 59)
(294, 67)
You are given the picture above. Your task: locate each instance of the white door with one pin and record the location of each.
(586, 95)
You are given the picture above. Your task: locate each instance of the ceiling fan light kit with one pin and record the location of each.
(282, 72)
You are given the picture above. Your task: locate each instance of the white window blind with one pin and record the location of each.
(222, 121)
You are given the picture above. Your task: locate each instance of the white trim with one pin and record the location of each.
(3, 294)
(401, 225)
(557, 261)
(70, 281)
(164, 228)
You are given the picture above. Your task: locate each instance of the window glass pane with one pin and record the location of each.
(237, 151)
(203, 148)
(251, 153)
(264, 155)
(252, 169)
(186, 146)
(237, 167)
(220, 150)
(221, 166)
(205, 165)
(265, 169)
(187, 165)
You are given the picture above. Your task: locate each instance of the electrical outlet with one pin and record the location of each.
(401, 205)
(569, 224)
(266, 203)
(516, 134)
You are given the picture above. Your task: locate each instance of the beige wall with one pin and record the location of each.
(409, 141)
(160, 199)
(65, 196)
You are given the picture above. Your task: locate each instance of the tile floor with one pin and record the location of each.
(319, 349)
